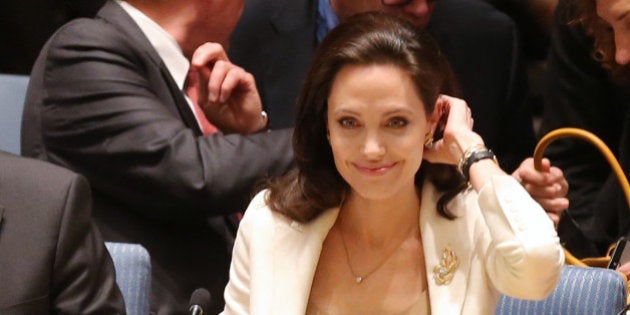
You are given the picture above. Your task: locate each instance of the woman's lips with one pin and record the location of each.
(374, 170)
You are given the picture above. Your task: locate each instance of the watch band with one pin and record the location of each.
(474, 157)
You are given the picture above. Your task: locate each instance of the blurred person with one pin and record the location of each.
(534, 19)
(275, 41)
(113, 99)
(52, 257)
(588, 88)
(382, 216)
(26, 25)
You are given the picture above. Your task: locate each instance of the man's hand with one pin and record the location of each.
(227, 93)
(548, 187)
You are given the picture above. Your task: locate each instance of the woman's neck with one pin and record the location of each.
(377, 222)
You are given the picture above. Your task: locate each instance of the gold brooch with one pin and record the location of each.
(443, 274)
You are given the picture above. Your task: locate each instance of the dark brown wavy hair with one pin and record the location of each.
(604, 46)
(365, 39)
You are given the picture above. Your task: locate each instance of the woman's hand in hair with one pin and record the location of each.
(453, 117)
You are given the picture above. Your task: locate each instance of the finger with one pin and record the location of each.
(207, 54)
(546, 165)
(556, 205)
(203, 76)
(219, 72)
(528, 174)
(203, 60)
(545, 191)
(235, 78)
(554, 217)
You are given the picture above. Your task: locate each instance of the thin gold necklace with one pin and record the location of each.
(360, 278)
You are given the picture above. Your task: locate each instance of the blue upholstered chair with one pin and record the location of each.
(596, 291)
(12, 93)
(133, 275)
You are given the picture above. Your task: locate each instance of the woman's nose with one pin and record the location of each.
(373, 147)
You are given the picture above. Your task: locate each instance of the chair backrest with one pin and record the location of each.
(133, 275)
(12, 94)
(580, 291)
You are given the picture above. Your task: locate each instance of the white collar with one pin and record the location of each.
(166, 47)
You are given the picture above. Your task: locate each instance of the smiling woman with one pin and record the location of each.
(375, 219)
(375, 129)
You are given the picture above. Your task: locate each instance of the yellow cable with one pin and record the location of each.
(608, 155)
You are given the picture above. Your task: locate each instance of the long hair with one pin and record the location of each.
(365, 39)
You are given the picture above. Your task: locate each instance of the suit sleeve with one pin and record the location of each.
(520, 246)
(84, 281)
(109, 113)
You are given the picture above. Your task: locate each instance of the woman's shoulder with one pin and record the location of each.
(260, 213)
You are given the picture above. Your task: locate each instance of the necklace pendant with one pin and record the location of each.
(358, 279)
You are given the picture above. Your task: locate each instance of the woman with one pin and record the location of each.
(364, 225)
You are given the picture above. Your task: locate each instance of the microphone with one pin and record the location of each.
(199, 301)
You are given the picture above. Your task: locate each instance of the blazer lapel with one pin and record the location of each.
(118, 17)
(439, 239)
(295, 257)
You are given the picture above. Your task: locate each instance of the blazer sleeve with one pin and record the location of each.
(108, 111)
(522, 252)
(84, 281)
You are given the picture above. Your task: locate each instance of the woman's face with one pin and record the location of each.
(617, 14)
(377, 125)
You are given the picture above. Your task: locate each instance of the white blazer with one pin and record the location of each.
(503, 240)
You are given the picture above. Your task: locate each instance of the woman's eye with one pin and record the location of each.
(397, 123)
(348, 123)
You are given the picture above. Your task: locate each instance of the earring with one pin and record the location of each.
(428, 140)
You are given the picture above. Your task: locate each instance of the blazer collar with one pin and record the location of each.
(294, 269)
(439, 237)
(113, 13)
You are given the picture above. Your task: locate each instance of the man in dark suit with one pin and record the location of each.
(275, 41)
(106, 100)
(52, 258)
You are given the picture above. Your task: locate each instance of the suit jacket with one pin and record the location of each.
(275, 40)
(102, 103)
(503, 240)
(52, 257)
(582, 94)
